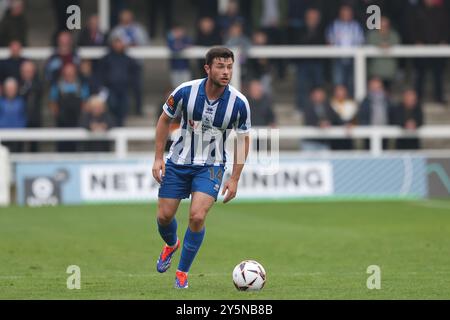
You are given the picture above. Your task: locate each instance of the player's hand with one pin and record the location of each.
(231, 186)
(159, 170)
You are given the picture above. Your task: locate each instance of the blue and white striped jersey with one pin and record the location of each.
(205, 124)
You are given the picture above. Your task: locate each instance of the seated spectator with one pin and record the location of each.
(14, 24)
(119, 73)
(319, 113)
(207, 36)
(310, 72)
(31, 91)
(261, 104)
(178, 40)
(97, 119)
(64, 54)
(410, 117)
(344, 32)
(67, 100)
(11, 66)
(260, 68)
(376, 109)
(384, 68)
(91, 35)
(131, 32)
(347, 109)
(344, 106)
(12, 111)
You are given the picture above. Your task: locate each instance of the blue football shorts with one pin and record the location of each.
(180, 181)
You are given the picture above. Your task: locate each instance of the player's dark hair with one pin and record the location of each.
(218, 52)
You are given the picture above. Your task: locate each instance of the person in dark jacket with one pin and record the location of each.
(262, 105)
(376, 109)
(97, 119)
(119, 73)
(14, 25)
(64, 54)
(319, 113)
(207, 36)
(91, 35)
(310, 71)
(31, 91)
(11, 67)
(409, 117)
(67, 101)
(430, 26)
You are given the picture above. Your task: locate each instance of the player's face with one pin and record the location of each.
(220, 71)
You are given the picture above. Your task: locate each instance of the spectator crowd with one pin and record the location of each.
(97, 94)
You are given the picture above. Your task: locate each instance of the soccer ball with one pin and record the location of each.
(249, 275)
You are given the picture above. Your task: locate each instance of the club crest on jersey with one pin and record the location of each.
(171, 102)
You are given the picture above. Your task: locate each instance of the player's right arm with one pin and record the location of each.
(171, 110)
(162, 133)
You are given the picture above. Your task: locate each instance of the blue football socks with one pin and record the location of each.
(191, 245)
(169, 232)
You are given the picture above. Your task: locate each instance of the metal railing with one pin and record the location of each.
(122, 136)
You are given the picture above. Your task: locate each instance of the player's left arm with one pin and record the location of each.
(241, 148)
(240, 155)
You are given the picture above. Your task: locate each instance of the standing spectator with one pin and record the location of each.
(262, 105)
(206, 8)
(159, 8)
(67, 99)
(12, 111)
(97, 119)
(177, 41)
(260, 68)
(318, 113)
(270, 16)
(296, 15)
(207, 36)
(231, 16)
(345, 32)
(384, 68)
(88, 77)
(131, 32)
(64, 54)
(91, 35)
(14, 25)
(310, 71)
(431, 27)
(31, 91)
(237, 38)
(410, 117)
(11, 66)
(119, 73)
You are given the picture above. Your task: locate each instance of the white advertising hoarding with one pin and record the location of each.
(128, 182)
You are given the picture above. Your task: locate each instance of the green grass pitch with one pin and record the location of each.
(310, 250)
